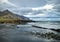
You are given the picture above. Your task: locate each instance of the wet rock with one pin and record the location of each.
(57, 30)
(47, 35)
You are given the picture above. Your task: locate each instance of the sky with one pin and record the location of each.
(39, 10)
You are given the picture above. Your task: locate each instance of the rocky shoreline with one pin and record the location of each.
(49, 35)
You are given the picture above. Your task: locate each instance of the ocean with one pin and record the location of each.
(27, 33)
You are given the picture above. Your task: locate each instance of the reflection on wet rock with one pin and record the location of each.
(49, 35)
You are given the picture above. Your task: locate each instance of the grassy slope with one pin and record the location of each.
(9, 19)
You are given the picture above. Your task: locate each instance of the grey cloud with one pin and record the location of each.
(56, 4)
(53, 2)
(25, 12)
(29, 3)
(57, 8)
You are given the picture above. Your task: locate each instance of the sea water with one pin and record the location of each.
(22, 32)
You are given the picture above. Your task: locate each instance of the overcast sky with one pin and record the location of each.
(34, 9)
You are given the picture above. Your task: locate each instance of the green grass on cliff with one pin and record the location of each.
(8, 20)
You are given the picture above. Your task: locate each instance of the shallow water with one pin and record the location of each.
(47, 24)
(22, 33)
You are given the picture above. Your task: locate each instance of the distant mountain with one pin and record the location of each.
(8, 16)
(7, 12)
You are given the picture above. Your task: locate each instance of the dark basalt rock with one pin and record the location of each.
(49, 35)
(38, 27)
(57, 30)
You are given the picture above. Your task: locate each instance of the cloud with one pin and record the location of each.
(29, 3)
(56, 4)
(46, 7)
(36, 15)
(35, 9)
(53, 2)
(43, 15)
(3, 1)
(45, 19)
(57, 8)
